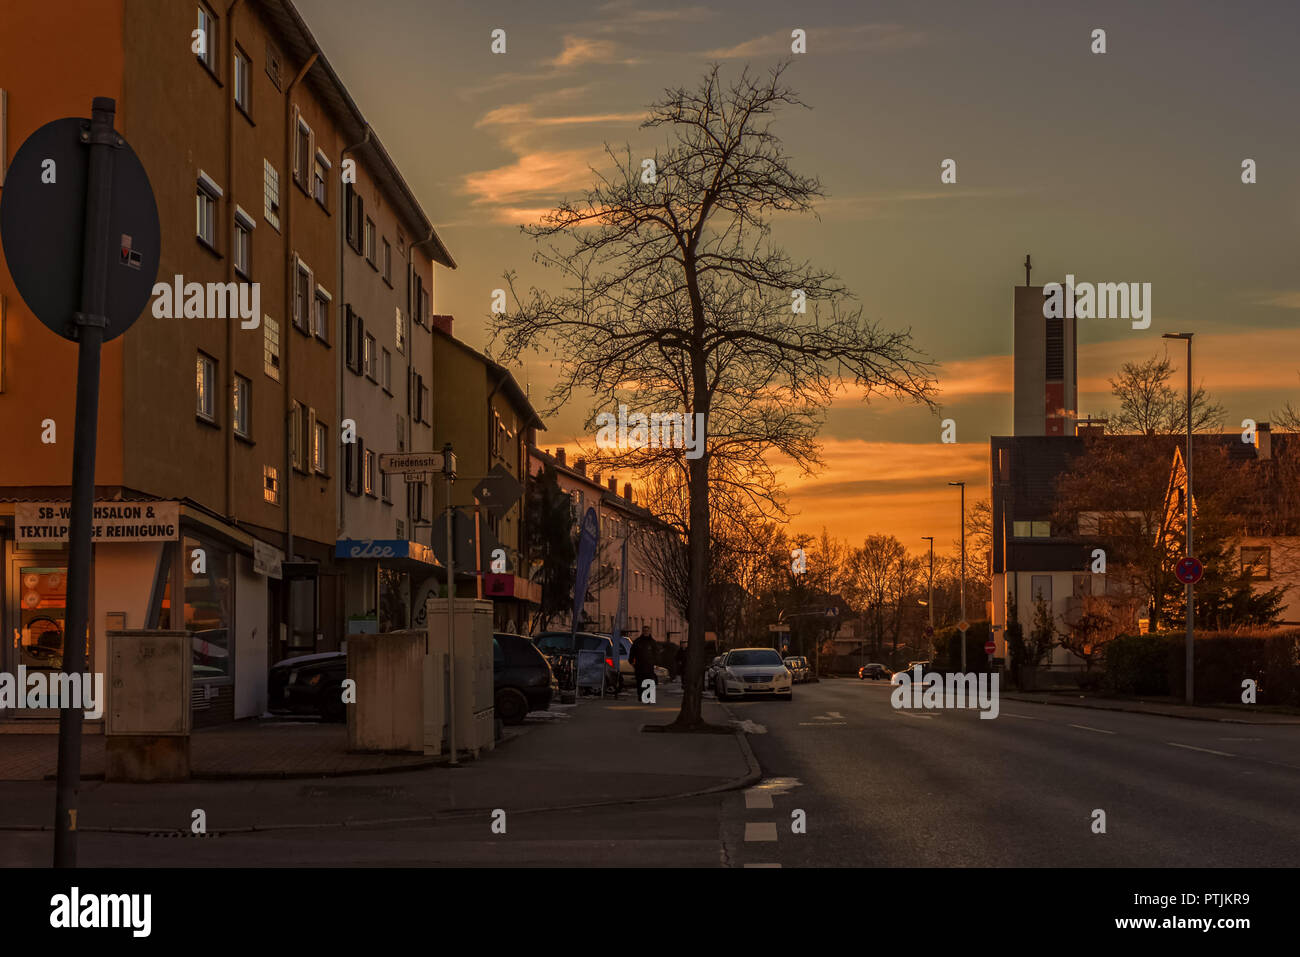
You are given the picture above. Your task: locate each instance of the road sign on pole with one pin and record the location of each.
(399, 462)
(79, 225)
(963, 625)
(498, 490)
(989, 647)
(1189, 570)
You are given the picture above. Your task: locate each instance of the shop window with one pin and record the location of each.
(42, 617)
(207, 606)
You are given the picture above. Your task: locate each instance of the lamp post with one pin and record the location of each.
(930, 603)
(1187, 505)
(963, 573)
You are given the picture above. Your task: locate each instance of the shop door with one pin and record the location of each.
(40, 587)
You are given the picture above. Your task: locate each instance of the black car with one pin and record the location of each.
(873, 671)
(551, 643)
(308, 684)
(521, 677)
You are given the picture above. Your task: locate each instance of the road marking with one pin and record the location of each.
(760, 831)
(925, 717)
(757, 799)
(1240, 739)
(1012, 714)
(820, 724)
(762, 865)
(1084, 727)
(1175, 744)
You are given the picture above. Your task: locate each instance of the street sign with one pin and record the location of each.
(395, 462)
(778, 628)
(929, 631)
(42, 227)
(989, 647)
(963, 625)
(498, 490)
(1189, 570)
(462, 533)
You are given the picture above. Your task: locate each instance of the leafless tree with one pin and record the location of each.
(677, 297)
(1150, 405)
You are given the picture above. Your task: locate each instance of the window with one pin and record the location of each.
(206, 196)
(399, 329)
(302, 298)
(319, 444)
(271, 194)
(273, 64)
(320, 180)
(368, 471)
(1256, 562)
(354, 210)
(207, 52)
(243, 250)
(355, 334)
(417, 502)
(297, 448)
(243, 81)
(368, 358)
(370, 240)
(205, 385)
(271, 484)
(352, 466)
(419, 302)
(320, 321)
(271, 348)
(205, 608)
(386, 372)
(303, 155)
(388, 263)
(1041, 587)
(386, 488)
(241, 408)
(1040, 529)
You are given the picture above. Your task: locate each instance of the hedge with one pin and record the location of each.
(1154, 665)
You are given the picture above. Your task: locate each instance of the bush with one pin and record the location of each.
(1155, 665)
(1136, 665)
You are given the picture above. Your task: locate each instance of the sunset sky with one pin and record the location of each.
(1124, 166)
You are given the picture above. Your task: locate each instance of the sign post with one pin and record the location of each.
(74, 188)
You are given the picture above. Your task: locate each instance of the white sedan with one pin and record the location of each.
(746, 672)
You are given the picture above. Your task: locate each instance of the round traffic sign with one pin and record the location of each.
(42, 227)
(989, 647)
(1189, 570)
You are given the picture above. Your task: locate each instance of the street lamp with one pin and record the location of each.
(930, 603)
(960, 631)
(1187, 503)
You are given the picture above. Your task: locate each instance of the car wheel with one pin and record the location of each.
(719, 691)
(511, 705)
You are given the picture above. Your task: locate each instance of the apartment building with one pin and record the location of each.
(479, 409)
(225, 429)
(389, 248)
(620, 517)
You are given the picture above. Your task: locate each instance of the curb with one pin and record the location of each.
(1293, 722)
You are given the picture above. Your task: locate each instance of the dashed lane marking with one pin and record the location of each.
(1189, 747)
(760, 831)
(755, 800)
(1084, 727)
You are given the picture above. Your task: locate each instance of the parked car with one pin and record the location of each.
(551, 643)
(712, 670)
(875, 671)
(753, 671)
(522, 680)
(798, 666)
(308, 684)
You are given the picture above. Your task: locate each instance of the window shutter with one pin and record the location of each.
(347, 336)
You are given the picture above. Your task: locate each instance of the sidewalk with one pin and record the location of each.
(578, 755)
(1168, 709)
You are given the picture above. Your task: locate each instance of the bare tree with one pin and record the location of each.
(1150, 405)
(677, 297)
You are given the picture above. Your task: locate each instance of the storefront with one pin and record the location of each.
(154, 564)
(384, 580)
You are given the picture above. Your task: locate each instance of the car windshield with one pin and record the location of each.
(757, 657)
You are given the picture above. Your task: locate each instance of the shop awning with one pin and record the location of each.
(391, 552)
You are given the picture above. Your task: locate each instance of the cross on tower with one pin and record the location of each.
(1028, 266)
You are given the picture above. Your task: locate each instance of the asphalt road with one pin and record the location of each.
(871, 786)
(886, 787)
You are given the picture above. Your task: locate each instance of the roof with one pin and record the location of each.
(325, 82)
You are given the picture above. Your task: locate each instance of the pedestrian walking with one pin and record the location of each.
(680, 663)
(643, 659)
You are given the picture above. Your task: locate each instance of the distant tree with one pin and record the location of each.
(552, 545)
(1150, 405)
(1043, 633)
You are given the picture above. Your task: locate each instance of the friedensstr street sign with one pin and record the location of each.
(411, 462)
